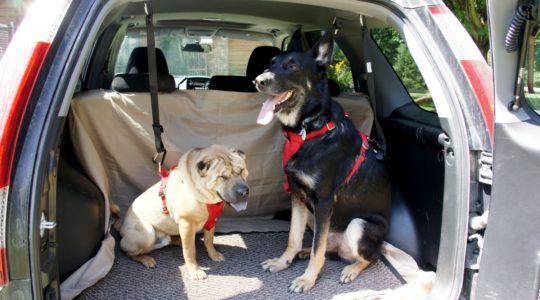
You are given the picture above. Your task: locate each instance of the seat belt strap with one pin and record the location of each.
(152, 82)
(371, 90)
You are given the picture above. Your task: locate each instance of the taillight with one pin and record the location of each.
(19, 70)
(478, 72)
(14, 116)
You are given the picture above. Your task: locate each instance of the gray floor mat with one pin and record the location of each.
(238, 277)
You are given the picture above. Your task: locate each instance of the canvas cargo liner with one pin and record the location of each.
(113, 140)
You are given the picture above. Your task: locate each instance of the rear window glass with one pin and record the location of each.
(195, 55)
(340, 68)
(398, 55)
(532, 82)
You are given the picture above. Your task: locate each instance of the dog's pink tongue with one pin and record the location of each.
(267, 111)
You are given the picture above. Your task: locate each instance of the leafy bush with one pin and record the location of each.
(340, 72)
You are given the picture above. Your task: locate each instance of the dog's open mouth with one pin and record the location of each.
(238, 206)
(272, 105)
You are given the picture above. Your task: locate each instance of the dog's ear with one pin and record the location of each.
(202, 167)
(240, 153)
(322, 51)
(295, 44)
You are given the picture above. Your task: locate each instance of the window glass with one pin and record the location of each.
(340, 68)
(398, 55)
(190, 56)
(531, 84)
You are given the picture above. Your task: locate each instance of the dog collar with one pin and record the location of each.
(214, 210)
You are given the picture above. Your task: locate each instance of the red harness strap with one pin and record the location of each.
(293, 142)
(359, 159)
(214, 210)
(164, 174)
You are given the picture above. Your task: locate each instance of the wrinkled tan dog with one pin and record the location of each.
(196, 191)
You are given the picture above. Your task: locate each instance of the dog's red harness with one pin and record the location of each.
(294, 140)
(214, 210)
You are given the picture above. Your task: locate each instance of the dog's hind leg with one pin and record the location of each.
(323, 213)
(146, 260)
(296, 235)
(361, 244)
(304, 253)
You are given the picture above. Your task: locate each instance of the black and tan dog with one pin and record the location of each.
(333, 177)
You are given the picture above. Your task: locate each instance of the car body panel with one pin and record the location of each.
(510, 263)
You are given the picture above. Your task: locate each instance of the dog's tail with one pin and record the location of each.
(115, 216)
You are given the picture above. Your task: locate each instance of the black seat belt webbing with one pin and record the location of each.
(152, 82)
(371, 91)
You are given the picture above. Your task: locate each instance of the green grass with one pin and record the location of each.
(534, 101)
(424, 100)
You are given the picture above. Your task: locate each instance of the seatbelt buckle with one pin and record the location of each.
(157, 160)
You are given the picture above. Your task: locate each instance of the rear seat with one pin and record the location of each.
(113, 138)
(135, 79)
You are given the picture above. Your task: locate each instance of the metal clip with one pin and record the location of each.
(156, 155)
(303, 133)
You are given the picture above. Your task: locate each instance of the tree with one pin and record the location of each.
(473, 15)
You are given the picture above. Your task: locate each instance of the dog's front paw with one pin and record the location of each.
(216, 256)
(275, 265)
(349, 274)
(301, 284)
(196, 273)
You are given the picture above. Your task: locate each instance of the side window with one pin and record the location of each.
(194, 56)
(340, 68)
(531, 85)
(398, 55)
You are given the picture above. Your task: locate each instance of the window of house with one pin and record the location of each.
(398, 55)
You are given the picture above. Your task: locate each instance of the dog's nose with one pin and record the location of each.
(260, 80)
(264, 79)
(242, 191)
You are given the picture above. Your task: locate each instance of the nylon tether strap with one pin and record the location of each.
(152, 82)
(371, 91)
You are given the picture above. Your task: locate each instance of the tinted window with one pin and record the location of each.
(531, 83)
(398, 55)
(215, 55)
(340, 68)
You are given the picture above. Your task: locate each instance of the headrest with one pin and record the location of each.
(231, 83)
(135, 79)
(138, 61)
(260, 60)
(138, 83)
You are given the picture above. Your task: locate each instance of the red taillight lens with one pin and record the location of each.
(13, 114)
(16, 112)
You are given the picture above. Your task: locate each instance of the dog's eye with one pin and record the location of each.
(272, 61)
(291, 65)
(223, 177)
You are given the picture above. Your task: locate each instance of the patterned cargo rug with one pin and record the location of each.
(240, 276)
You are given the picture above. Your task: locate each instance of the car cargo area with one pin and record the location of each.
(107, 144)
